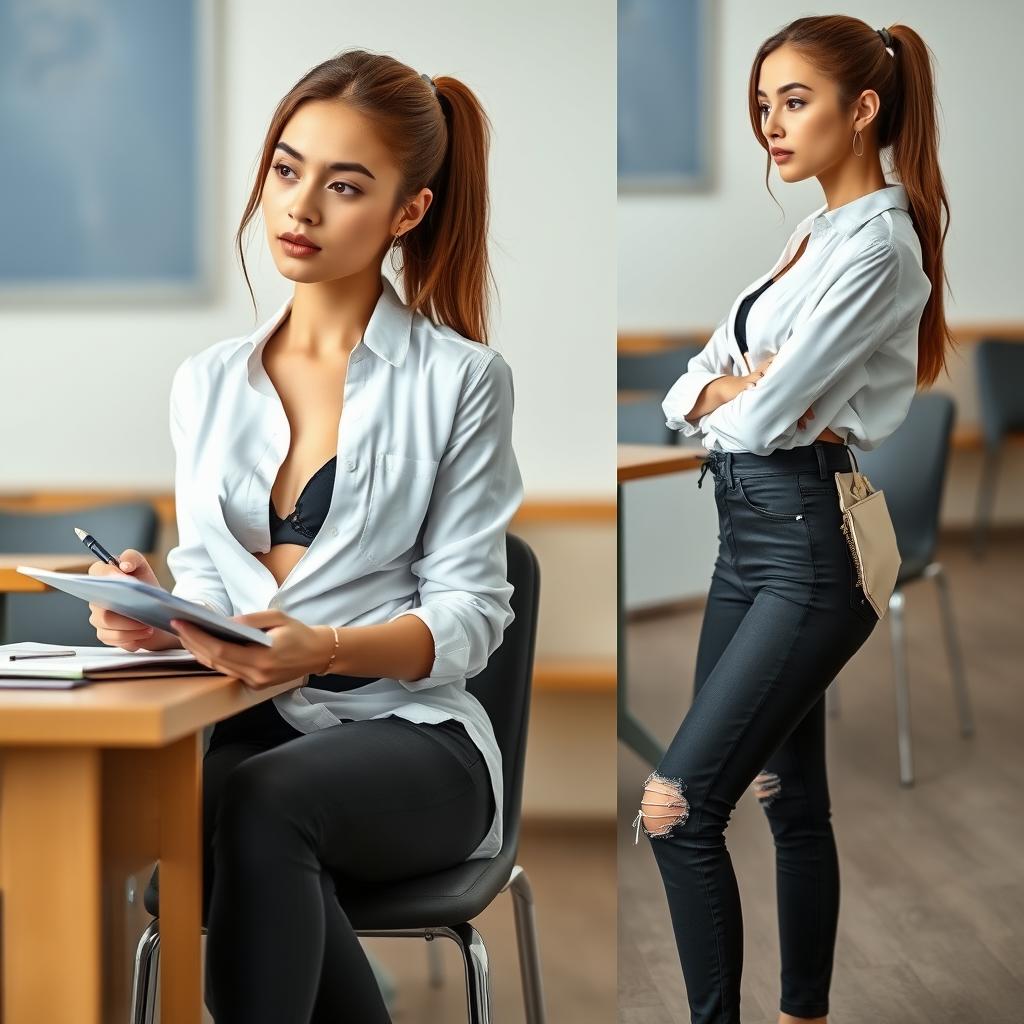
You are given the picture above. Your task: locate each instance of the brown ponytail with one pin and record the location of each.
(852, 53)
(440, 141)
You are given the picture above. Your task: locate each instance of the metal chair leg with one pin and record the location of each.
(897, 604)
(144, 976)
(526, 938)
(956, 661)
(147, 958)
(478, 982)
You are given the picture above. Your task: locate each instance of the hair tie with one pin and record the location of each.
(430, 82)
(886, 37)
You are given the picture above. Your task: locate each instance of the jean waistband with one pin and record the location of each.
(821, 457)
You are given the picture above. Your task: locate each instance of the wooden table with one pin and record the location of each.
(636, 461)
(96, 783)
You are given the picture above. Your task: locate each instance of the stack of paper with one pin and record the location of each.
(53, 666)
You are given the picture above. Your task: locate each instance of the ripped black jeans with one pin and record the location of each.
(784, 614)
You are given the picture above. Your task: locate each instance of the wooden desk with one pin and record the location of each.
(96, 783)
(636, 461)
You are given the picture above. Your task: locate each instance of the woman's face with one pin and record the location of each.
(351, 210)
(805, 118)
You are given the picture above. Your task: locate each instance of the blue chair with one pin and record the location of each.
(642, 421)
(999, 365)
(653, 371)
(910, 467)
(443, 904)
(60, 618)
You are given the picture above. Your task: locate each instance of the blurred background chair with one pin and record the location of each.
(441, 905)
(999, 366)
(643, 381)
(60, 618)
(910, 467)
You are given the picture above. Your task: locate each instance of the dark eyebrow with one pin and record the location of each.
(343, 167)
(786, 88)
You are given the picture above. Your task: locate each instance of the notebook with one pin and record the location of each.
(152, 605)
(60, 667)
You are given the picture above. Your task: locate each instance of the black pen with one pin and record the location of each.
(96, 547)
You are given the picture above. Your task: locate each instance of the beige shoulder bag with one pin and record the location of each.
(868, 529)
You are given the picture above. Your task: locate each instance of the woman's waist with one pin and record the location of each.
(822, 457)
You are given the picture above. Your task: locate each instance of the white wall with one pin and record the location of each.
(684, 258)
(546, 75)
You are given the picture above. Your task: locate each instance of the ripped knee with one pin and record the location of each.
(663, 806)
(766, 787)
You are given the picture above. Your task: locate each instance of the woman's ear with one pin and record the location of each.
(865, 109)
(412, 212)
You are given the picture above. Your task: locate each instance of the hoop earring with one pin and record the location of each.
(392, 249)
(856, 136)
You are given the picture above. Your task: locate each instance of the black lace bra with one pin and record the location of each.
(302, 525)
(741, 314)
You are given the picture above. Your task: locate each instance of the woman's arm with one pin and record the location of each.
(463, 577)
(853, 318)
(400, 649)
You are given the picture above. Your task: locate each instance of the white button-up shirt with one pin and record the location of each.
(426, 485)
(844, 321)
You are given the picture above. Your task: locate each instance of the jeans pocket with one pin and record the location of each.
(772, 497)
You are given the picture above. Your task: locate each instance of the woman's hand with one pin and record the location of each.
(297, 649)
(119, 630)
(756, 373)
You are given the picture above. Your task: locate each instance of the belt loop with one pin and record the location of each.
(822, 468)
(728, 470)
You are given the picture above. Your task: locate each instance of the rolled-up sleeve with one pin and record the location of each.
(196, 578)
(463, 584)
(710, 363)
(853, 318)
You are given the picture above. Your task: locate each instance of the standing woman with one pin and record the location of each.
(344, 480)
(823, 352)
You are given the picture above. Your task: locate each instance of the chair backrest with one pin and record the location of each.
(59, 618)
(999, 365)
(654, 371)
(504, 686)
(643, 422)
(910, 466)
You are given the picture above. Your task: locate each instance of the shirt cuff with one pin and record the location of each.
(451, 643)
(682, 397)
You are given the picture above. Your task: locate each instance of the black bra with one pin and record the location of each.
(302, 525)
(741, 314)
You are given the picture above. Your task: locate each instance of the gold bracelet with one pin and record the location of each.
(326, 670)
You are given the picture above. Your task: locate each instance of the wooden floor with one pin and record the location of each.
(931, 927)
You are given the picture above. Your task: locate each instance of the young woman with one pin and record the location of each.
(823, 352)
(344, 480)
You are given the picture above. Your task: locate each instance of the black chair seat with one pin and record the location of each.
(447, 897)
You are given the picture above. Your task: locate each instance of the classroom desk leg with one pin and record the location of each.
(76, 824)
(50, 874)
(631, 730)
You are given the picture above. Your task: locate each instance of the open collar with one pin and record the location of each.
(387, 332)
(846, 219)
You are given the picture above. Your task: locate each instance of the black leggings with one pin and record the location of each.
(376, 800)
(784, 614)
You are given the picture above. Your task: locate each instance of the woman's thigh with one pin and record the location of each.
(379, 799)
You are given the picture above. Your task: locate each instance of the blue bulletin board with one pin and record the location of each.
(665, 95)
(106, 121)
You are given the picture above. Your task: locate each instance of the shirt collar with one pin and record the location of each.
(387, 332)
(846, 219)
